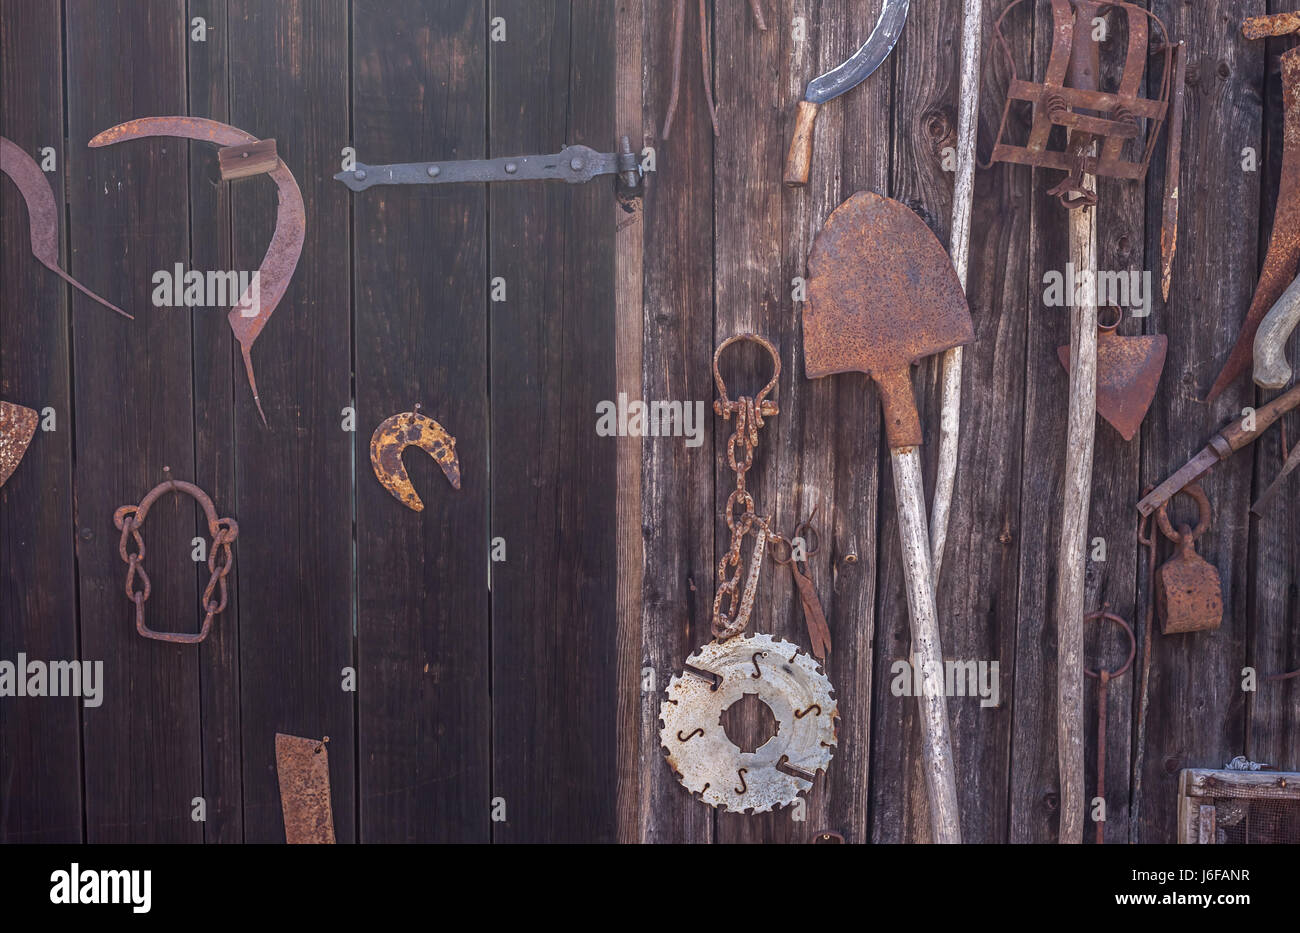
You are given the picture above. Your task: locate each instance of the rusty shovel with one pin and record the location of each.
(882, 294)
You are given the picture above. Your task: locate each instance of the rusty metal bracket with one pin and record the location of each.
(42, 214)
(303, 769)
(411, 429)
(17, 427)
(1111, 119)
(249, 316)
(573, 164)
(130, 518)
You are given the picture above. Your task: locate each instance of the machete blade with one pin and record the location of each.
(865, 60)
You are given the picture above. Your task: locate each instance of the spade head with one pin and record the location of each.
(882, 294)
(1128, 373)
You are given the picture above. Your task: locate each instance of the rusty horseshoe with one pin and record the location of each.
(42, 214)
(254, 309)
(411, 429)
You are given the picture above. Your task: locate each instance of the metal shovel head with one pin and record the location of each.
(882, 294)
(17, 427)
(1128, 374)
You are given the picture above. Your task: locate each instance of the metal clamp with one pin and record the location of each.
(224, 531)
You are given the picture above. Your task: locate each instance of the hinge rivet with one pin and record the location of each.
(434, 171)
(575, 164)
(360, 174)
(511, 168)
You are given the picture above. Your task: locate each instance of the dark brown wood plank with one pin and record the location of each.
(420, 266)
(1214, 281)
(40, 738)
(215, 386)
(289, 73)
(677, 501)
(133, 389)
(553, 492)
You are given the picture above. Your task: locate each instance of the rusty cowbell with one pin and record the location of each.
(1128, 372)
(1189, 593)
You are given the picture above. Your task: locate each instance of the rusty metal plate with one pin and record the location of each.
(248, 317)
(303, 766)
(709, 764)
(1128, 374)
(411, 429)
(17, 427)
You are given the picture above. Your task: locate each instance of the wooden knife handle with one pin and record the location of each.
(1271, 369)
(1235, 435)
(800, 158)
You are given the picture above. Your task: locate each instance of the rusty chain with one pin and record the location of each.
(749, 413)
(130, 518)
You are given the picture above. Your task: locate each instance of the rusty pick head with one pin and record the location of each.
(17, 427)
(411, 429)
(255, 307)
(1128, 374)
(42, 214)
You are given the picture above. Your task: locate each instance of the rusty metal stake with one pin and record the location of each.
(130, 519)
(1103, 694)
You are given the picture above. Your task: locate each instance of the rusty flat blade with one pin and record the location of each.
(1284, 247)
(1128, 374)
(17, 427)
(1189, 473)
(303, 766)
(42, 214)
(882, 294)
(247, 318)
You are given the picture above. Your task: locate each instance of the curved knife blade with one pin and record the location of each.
(865, 60)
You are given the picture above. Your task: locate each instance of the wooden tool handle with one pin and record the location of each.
(1271, 369)
(902, 423)
(1236, 436)
(800, 158)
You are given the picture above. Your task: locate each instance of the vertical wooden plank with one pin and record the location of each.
(978, 590)
(636, 703)
(677, 501)
(553, 490)
(289, 73)
(214, 418)
(1213, 285)
(133, 390)
(40, 738)
(1273, 728)
(421, 309)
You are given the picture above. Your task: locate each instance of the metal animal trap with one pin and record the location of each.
(1069, 96)
(1238, 807)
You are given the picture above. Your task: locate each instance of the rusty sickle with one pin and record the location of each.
(42, 214)
(1284, 246)
(249, 316)
(411, 429)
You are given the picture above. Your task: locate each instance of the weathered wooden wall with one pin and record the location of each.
(530, 687)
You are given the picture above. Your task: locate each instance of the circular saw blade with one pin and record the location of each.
(708, 763)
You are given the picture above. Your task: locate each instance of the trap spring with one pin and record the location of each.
(129, 520)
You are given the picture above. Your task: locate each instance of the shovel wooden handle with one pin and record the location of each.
(797, 163)
(902, 423)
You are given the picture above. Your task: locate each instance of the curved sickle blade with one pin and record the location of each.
(411, 429)
(248, 316)
(865, 60)
(42, 214)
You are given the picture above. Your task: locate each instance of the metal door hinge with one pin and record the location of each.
(573, 164)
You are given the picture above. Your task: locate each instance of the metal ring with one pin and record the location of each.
(1202, 502)
(1132, 641)
(759, 399)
